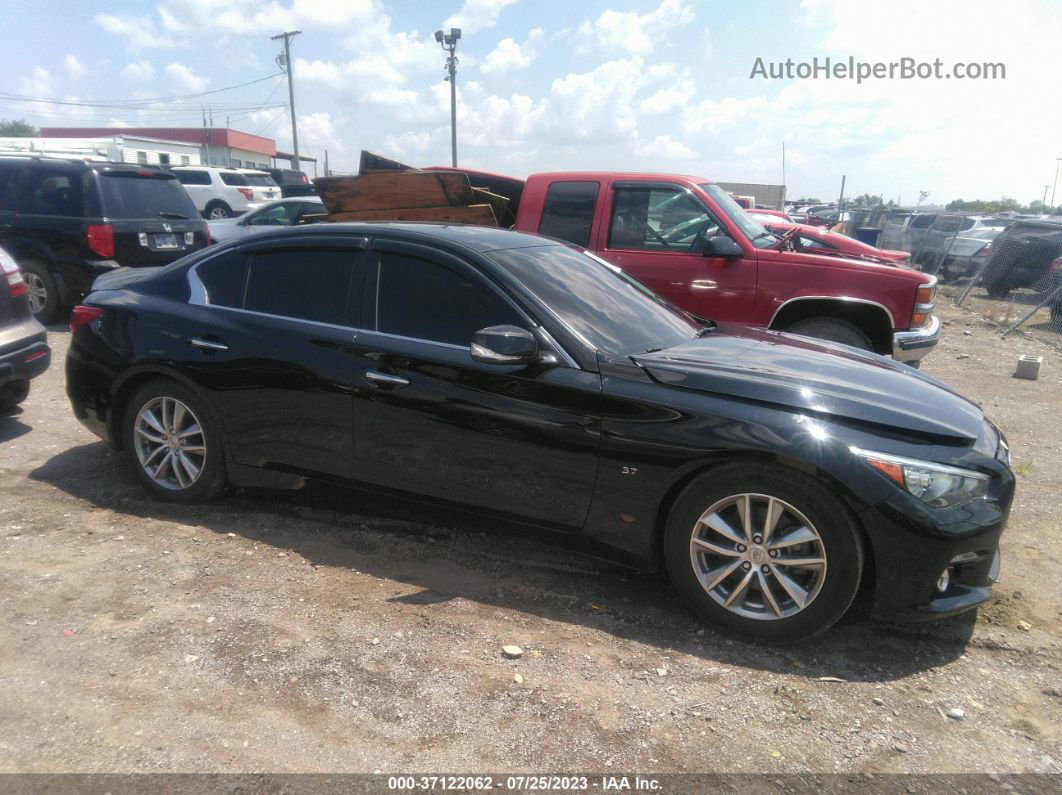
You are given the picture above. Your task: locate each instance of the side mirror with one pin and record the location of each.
(504, 345)
(722, 246)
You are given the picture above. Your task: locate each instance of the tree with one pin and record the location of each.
(17, 128)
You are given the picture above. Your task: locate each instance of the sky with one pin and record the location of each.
(543, 85)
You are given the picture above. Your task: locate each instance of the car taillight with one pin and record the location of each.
(304, 179)
(1056, 266)
(247, 193)
(100, 239)
(82, 315)
(16, 285)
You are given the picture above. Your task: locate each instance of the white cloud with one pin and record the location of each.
(664, 147)
(636, 33)
(138, 72)
(255, 18)
(139, 33)
(508, 54)
(38, 83)
(184, 79)
(75, 70)
(476, 15)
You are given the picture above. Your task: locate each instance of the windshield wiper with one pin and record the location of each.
(168, 214)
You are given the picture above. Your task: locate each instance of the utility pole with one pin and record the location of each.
(784, 191)
(1046, 188)
(448, 41)
(1058, 162)
(285, 62)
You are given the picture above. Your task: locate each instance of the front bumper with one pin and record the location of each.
(912, 346)
(911, 550)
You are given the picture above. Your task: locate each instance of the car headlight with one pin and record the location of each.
(936, 485)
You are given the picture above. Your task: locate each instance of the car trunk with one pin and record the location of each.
(151, 219)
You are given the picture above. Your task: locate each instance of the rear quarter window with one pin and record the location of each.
(232, 178)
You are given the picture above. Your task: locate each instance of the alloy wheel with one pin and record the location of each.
(36, 291)
(170, 443)
(758, 556)
(216, 213)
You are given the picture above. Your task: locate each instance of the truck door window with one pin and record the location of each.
(568, 212)
(659, 219)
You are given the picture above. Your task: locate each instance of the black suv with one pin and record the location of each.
(24, 352)
(291, 182)
(67, 221)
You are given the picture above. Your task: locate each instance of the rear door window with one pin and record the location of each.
(193, 177)
(427, 301)
(568, 212)
(127, 194)
(302, 283)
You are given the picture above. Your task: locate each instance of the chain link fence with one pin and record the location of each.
(1008, 270)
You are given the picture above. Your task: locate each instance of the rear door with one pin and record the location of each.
(197, 183)
(271, 341)
(520, 440)
(153, 219)
(656, 233)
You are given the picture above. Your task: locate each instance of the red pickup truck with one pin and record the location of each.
(687, 238)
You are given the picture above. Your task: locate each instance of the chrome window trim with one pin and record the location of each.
(252, 312)
(847, 298)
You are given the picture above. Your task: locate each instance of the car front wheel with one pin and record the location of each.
(832, 329)
(763, 552)
(172, 444)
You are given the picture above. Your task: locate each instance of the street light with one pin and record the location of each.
(448, 41)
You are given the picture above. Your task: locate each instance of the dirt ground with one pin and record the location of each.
(304, 632)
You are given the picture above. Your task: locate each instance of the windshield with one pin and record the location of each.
(262, 180)
(128, 195)
(754, 231)
(607, 309)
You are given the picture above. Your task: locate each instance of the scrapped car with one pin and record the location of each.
(531, 380)
(819, 240)
(67, 221)
(24, 351)
(285, 212)
(1022, 256)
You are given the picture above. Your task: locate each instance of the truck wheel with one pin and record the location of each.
(764, 552)
(217, 210)
(41, 290)
(832, 329)
(13, 393)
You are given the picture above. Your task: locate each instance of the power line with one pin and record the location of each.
(130, 103)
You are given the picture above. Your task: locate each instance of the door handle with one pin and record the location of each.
(383, 379)
(207, 345)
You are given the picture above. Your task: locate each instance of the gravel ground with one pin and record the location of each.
(273, 632)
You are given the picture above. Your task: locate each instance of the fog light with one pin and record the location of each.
(944, 580)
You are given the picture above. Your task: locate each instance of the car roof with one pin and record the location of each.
(480, 239)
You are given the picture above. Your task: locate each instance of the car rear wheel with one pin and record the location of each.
(832, 329)
(763, 552)
(41, 290)
(172, 444)
(13, 393)
(217, 210)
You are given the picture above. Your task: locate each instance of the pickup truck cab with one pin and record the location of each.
(686, 238)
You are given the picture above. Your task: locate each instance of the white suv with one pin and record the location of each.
(224, 192)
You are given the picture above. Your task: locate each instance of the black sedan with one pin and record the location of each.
(525, 378)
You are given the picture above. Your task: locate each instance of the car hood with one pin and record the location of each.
(819, 378)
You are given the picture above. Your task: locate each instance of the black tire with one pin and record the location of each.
(211, 477)
(39, 276)
(996, 290)
(217, 210)
(841, 545)
(13, 393)
(833, 329)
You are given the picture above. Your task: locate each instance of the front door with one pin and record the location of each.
(656, 233)
(520, 440)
